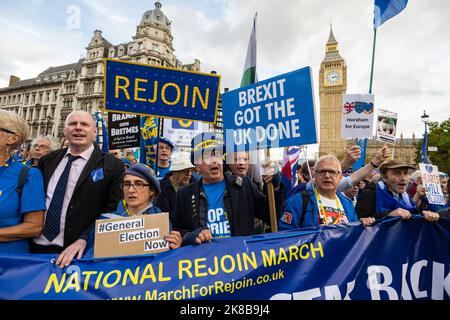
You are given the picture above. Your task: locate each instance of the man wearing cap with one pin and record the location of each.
(180, 175)
(165, 148)
(390, 196)
(216, 206)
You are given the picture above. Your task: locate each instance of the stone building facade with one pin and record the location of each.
(45, 101)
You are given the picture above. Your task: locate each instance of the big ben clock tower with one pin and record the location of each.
(332, 87)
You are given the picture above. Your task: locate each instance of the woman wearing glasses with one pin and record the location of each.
(21, 209)
(140, 189)
(40, 147)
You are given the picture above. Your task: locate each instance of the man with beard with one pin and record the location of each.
(216, 206)
(180, 175)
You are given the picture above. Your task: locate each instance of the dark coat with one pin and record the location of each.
(89, 199)
(242, 200)
(167, 199)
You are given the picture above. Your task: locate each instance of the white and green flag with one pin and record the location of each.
(249, 75)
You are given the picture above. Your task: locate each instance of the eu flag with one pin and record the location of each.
(386, 9)
(424, 152)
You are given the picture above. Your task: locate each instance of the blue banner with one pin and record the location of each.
(278, 112)
(390, 260)
(160, 91)
(149, 138)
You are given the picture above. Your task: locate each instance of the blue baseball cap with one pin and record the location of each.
(205, 142)
(166, 141)
(145, 172)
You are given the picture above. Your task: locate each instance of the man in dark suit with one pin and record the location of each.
(81, 182)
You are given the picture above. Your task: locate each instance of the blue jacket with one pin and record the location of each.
(293, 207)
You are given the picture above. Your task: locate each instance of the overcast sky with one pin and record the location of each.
(412, 64)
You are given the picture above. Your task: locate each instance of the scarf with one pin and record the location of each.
(386, 202)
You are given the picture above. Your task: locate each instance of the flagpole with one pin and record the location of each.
(373, 59)
(370, 85)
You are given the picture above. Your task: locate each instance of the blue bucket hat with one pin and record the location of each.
(166, 141)
(145, 172)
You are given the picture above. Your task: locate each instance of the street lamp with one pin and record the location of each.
(424, 152)
(425, 119)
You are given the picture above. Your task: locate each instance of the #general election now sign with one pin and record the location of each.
(276, 112)
(160, 91)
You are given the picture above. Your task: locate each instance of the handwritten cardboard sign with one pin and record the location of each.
(125, 236)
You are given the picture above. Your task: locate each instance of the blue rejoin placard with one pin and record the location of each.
(273, 113)
(160, 91)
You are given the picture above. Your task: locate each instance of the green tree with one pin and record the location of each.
(438, 136)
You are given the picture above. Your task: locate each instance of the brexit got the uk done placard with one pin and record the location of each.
(277, 112)
(160, 91)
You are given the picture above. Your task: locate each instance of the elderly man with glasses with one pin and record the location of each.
(322, 204)
(40, 147)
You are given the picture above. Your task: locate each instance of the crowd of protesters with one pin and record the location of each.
(52, 193)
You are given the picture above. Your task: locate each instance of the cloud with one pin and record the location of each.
(411, 64)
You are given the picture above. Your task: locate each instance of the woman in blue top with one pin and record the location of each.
(140, 189)
(21, 216)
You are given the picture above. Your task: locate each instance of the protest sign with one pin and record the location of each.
(391, 260)
(273, 113)
(125, 236)
(386, 126)
(160, 91)
(431, 182)
(357, 116)
(123, 130)
(181, 132)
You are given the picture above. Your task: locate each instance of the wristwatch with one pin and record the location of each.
(373, 164)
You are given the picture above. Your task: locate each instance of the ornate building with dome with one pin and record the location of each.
(45, 101)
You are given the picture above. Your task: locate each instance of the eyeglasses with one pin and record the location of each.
(333, 173)
(138, 185)
(7, 131)
(187, 171)
(40, 146)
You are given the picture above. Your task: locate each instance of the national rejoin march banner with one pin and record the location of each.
(390, 260)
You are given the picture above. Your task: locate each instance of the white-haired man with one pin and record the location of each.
(321, 204)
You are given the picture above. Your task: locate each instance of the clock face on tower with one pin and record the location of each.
(333, 77)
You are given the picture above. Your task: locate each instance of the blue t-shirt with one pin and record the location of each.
(12, 208)
(162, 172)
(217, 217)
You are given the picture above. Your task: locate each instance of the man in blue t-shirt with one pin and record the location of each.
(165, 149)
(217, 216)
(216, 206)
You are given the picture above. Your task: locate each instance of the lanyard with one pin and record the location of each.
(322, 209)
